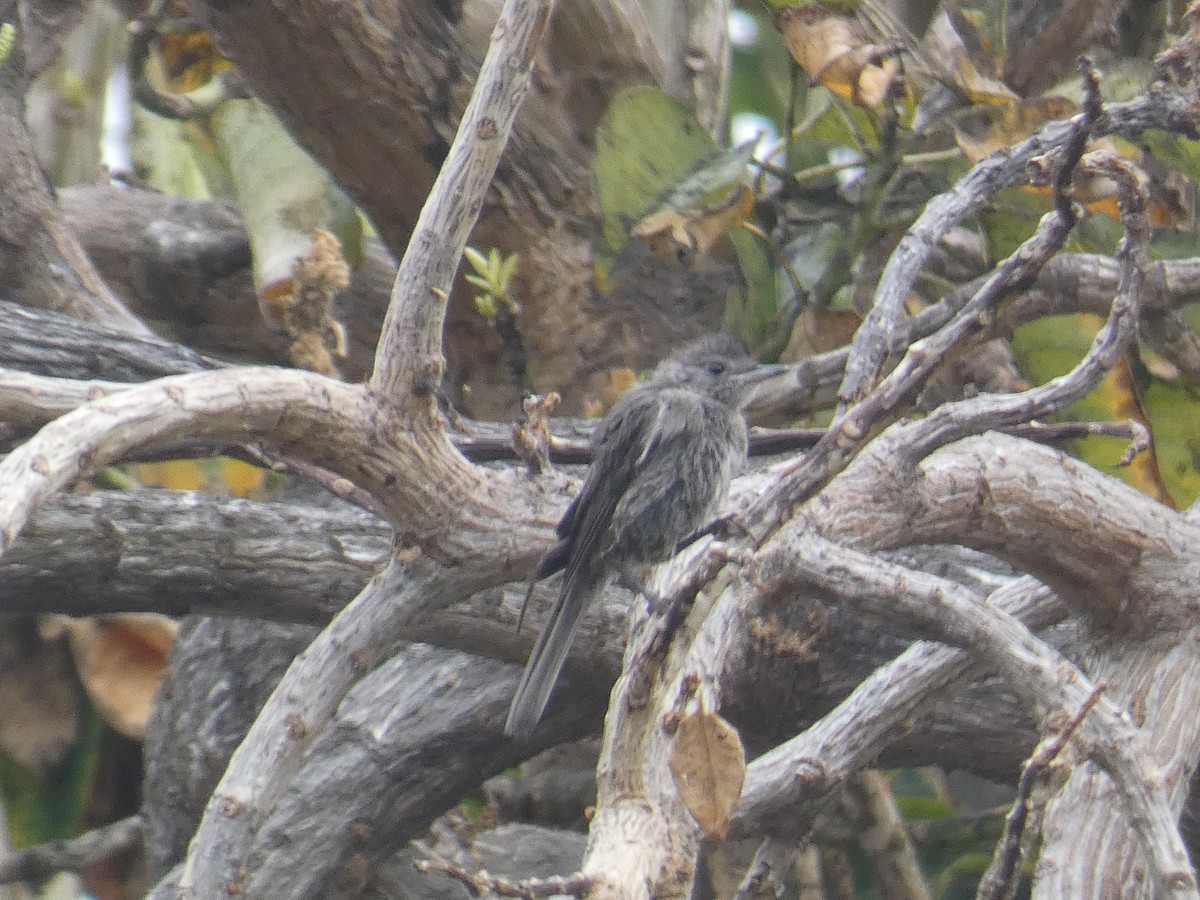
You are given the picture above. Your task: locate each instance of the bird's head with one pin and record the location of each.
(717, 366)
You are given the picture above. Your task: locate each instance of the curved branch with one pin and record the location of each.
(295, 715)
(1045, 679)
(287, 405)
(787, 787)
(853, 429)
(953, 421)
(43, 861)
(1106, 549)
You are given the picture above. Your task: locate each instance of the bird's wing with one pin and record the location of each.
(680, 479)
(621, 449)
(588, 513)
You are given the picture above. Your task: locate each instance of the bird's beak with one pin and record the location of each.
(760, 374)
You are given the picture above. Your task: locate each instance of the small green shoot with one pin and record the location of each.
(8, 37)
(492, 275)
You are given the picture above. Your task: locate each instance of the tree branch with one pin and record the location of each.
(954, 421)
(41, 261)
(788, 787)
(409, 356)
(41, 862)
(1046, 680)
(997, 172)
(285, 403)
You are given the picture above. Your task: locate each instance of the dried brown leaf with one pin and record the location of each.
(120, 660)
(708, 764)
(686, 236)
(836, 52)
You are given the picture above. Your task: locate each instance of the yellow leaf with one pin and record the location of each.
(607, 387)
(242, 478)
(995, 125)
(1119, 393)
(219, 475)
(189, 59)
(176, 475)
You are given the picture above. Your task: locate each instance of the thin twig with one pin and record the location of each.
(36, 864)
(766, 876)
(482, 883)
(408, 366)
(1001, 170)
(953, 421)
(853, 428)
(999, 881)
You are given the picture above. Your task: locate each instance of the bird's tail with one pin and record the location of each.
(546, 660)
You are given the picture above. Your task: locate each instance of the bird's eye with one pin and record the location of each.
(716, 367)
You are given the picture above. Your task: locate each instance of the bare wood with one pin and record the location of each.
(382, 129)
(30, 401)
(1134, 584)
(440, 536)
(787, 787)
(407, 370)
(153, 551)
(42, 263)
(228, 403)
(373, 765)
(1046, 680)
(165, 254)
(283, 731)
(952, 421)
(855, 427)
(43, 342)
(156, 551)
(999, 882)
(41, 862)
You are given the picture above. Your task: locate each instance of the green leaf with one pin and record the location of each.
(1173, 408)
(1051, 346)
(8, 37)
(753, 314)
(486, 305)
(477, 260)
(41, 809)
(818, 257)
(507, 269)
(1178, 151)
(839, 124)
(651, 151)
(645, 144)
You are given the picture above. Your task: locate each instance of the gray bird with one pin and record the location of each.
(661, 464)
